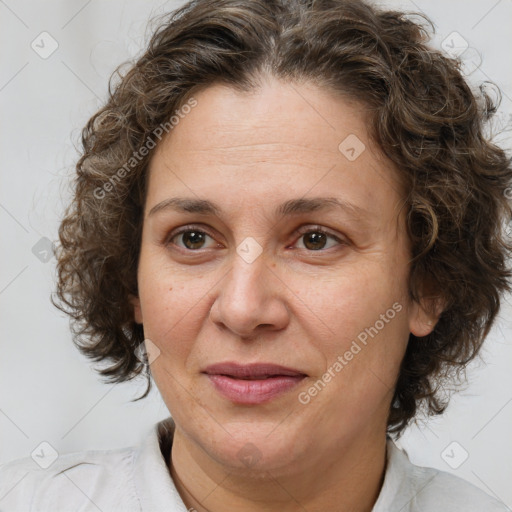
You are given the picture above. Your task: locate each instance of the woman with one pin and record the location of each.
(292, 212)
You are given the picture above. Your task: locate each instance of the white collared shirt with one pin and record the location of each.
(137, 479)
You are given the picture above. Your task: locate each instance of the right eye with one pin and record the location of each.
(191, 238)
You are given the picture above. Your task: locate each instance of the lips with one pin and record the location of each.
(255, 371)
(253, 383)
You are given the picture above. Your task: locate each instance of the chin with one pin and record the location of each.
(254, 447)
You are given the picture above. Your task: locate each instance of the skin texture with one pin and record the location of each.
(293, 305)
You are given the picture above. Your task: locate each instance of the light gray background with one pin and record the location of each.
(48, 391)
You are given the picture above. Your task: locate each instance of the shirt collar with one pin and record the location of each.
(153, 481)
(401, 482)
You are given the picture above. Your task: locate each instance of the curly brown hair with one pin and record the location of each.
(422, 114)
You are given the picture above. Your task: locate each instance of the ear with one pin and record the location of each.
(423, 316)
(137, 311)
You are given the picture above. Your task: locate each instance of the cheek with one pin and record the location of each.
(366, 316)
(168, 305)
(175, 304)
(354, 301)
(362, 355)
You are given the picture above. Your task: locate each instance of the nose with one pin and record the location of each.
(250, 299)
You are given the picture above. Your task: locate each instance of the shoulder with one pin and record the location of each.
(415, 488)
(453, 493)
(90, 480)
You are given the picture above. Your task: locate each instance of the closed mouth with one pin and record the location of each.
(253, 371)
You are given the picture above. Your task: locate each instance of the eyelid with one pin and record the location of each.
(306, 228)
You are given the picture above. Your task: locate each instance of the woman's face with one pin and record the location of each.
(290, 251)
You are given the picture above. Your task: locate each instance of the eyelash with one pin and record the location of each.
(303, 230)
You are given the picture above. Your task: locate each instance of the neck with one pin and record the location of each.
(348, 478)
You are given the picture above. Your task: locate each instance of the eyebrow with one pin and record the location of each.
(288, 208)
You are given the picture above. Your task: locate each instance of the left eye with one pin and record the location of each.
(316, 239)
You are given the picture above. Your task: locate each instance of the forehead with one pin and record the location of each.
(269, 144)
(277, 112)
